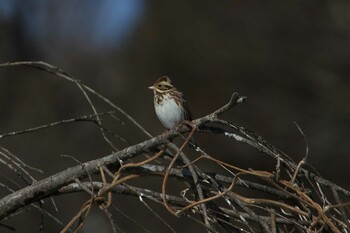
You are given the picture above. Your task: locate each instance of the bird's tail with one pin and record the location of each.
(192, 143)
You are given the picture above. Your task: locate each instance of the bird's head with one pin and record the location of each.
(162, 85)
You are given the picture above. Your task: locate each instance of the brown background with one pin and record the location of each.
(291, 59)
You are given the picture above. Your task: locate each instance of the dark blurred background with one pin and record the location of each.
(290, 58)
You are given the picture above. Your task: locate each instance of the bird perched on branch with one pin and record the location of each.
(170, 105)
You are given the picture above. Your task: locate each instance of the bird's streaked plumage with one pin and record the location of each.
(170, 106)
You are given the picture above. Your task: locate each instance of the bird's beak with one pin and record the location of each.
(151, 87)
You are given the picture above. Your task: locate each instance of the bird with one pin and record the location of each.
(170, 105)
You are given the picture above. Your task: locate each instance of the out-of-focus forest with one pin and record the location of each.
(290, 58)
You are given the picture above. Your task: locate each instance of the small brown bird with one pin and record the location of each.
(170, 105)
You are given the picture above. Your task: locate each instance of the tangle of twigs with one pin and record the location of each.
(290, 198)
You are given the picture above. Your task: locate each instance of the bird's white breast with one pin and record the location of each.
(169, 113)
